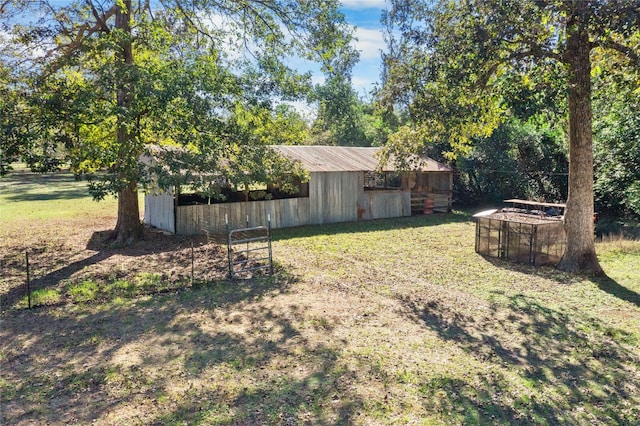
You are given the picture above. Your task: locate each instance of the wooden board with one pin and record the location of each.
(159, 212)
(212, 218)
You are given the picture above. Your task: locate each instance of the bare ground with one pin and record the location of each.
(69, 251)
(345, 334)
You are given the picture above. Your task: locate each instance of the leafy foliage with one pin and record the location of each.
(340, 119)
(118, 77)
(617, 137)
(452, 63)
(519, 160)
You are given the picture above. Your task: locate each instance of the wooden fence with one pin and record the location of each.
(211, 218)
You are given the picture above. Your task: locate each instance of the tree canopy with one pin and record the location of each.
(450, 62)
(617, 133)
(97, 82)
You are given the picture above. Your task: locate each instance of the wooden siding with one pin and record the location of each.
(334, 196)
(441, 201)
(437, 186)
(384, 204)
(159, 212)
(203, 218)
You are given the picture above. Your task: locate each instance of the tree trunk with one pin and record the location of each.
(128, 227)
(580, 255)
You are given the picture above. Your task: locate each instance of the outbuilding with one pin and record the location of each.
(345, 185)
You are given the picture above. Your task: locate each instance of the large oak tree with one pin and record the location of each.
(448, 60)
(104, 79)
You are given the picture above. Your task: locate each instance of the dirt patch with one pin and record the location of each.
(67, 253)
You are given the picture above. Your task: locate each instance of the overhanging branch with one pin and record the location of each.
(533, 49)
(83, 31)
(631, 54)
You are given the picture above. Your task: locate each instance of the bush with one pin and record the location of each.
(519, 160)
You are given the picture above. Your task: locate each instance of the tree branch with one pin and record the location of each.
(632, 55)
(189, 21)
(81, 33)
(3, 5)
(99, 19)
(534, 50)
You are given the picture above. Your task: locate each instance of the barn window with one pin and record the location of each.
(382, 180)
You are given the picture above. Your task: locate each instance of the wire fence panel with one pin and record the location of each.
(520, 238)
(51, 276)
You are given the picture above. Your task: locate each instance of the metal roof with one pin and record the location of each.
(318, 158)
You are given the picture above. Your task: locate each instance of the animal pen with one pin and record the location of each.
(524, 234)
(345, 184)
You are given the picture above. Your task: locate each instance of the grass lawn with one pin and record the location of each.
(383, 322)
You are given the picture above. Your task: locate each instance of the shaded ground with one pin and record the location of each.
(385, 322)
(59, 261)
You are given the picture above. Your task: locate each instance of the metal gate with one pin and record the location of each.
(249, 249)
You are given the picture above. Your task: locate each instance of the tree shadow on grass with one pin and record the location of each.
(547, 272)
(564, 361)
(57, 194)
(168, 253)
(281, 377)
(606, 284)
(214, 354)
(53, 186)
(612, 287)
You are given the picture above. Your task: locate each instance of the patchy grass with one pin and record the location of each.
(27, 197)
(52, 219)
(41, 297)
(383, 322)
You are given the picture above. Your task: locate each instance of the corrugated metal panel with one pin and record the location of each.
(316, 158)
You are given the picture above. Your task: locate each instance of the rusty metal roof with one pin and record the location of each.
(317, 158)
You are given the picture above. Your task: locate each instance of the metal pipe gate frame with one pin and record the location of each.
(256, 240)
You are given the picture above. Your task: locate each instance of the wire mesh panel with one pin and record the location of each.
(520, 238)
(518, 241)
(488, 236)
(550, 243)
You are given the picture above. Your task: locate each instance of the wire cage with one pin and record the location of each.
(520, 237)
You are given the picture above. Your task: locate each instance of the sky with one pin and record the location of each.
(365, 15)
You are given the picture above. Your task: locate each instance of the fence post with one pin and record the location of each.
(247, 241)
(269, 243)
(229, 250)
(192, 261)
(26, 255)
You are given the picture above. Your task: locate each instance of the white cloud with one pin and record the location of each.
(15, 51)
(307, 111)
(369, 43)
(364, 4)
(317, 77)
(364, 84)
